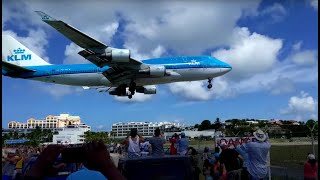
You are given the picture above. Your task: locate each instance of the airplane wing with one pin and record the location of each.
(98, 53)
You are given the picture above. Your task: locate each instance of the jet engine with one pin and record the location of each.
(154, 70)
(147, 89)
(116, 92)
(117, 55)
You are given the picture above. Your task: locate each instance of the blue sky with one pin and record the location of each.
(272, 46)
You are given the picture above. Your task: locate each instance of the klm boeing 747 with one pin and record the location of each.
(112, 70)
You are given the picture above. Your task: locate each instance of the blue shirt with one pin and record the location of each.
(183, 144)
(85, 174)
(257, 164)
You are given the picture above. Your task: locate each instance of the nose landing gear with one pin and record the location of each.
(210, 84)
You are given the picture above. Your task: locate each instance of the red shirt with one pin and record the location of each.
(173, 149)
(309, 171)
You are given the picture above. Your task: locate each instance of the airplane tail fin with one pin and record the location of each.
(15, 53)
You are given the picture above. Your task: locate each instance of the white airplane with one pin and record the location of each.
(113, 70)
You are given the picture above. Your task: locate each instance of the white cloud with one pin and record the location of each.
(56, 90)
(184, 27)
(158, 51)
(255, 68)
(314, 4)
(249, 53)
(297, 46)
(281, 85)
(72, 56)
(192, 90)
(303, 106)
(306, 57)
(198, 91)
(137, 97)
(276, 11)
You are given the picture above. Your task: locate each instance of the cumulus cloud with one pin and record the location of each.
(301, 106)
(255, 68)
(249, 53)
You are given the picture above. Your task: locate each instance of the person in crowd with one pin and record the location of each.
(230, 159)
(183, 144)
(310, 168)
(219, 171)
(157, 142)
(205, 154)
(194, 161)
(257, 161)
(207, 168)
(216, 152)
(133, 143)
(173, 146)
(245, 158)
(144, 147)
(11, 159)
(19, 164)
(97, 162)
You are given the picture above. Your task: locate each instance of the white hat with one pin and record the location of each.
(260, 135)
(311, 157)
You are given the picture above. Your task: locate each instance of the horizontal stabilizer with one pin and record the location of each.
(14, 68)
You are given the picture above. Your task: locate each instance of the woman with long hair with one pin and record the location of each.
(310, 168)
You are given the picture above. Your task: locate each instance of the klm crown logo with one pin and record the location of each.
(19, 51)
(19, 55)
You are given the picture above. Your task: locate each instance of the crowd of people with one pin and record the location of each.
(24, 163)
(136, 145)
(234, 162)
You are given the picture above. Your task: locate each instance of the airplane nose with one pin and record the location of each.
(225, 69)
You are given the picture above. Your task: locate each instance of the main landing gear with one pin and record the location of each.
(132, 89)
(210, 84)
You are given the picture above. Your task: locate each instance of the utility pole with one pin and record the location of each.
(312, 139)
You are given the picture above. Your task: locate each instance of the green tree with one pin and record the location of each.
(196, 126)
(206, 124)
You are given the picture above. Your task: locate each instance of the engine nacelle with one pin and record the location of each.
(115, 92)
(155, 70)
(118, 55)
(147, 89)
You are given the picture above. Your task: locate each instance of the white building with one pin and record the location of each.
(50, 122)
(194, 134)
(72, 134)
(144, 128)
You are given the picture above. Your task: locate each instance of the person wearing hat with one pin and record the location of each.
(257, 151)
(310, 168)
(183, 144)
